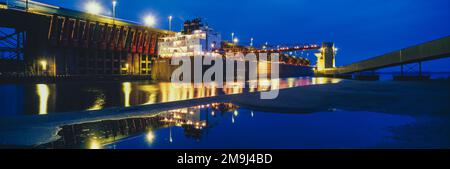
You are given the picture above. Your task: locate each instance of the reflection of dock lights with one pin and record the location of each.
(43, 92)
(170, 135)
(150, 136)
(126, 88)
(94, 144)
(3, 6)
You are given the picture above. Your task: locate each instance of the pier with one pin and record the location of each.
(409, 59)
(46, 40)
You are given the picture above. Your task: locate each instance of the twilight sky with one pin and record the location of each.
(360, 28)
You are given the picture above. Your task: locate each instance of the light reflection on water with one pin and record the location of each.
(94, 135)
(126, 92)
(43, 92)
(225, 125)
(63, 97)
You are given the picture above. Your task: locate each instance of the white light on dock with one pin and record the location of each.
(150, 21)
(93, 8)
(235, 40)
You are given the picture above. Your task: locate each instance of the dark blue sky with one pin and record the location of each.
(360, 28)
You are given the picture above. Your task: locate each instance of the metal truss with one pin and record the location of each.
(12, 44)
(411, 68)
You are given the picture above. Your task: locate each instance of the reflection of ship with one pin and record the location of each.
(96, 134)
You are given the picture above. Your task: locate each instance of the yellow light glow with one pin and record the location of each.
(150, 21)
(43, 64)
(94, 144)
(126, 88)
(150, 136)
(93, 7)
(3, 6)
(236, 113)
(264, 84)
(321, 80)
(263, 68)
(291, 82)
(43, 92)
(235, 40)
(275, 84)
(99, 102)
(179, 91)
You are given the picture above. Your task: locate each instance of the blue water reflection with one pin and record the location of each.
(225, 125)
(338, 129)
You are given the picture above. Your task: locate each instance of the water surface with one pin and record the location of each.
(42, 99)
(225, 125)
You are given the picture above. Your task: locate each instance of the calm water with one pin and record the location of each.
(24, 99)
(225, 125)
(433, 75)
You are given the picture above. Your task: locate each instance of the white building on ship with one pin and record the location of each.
(195, 39)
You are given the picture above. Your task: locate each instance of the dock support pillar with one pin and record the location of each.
(401, 70)
(413, 76)
(420, 69)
